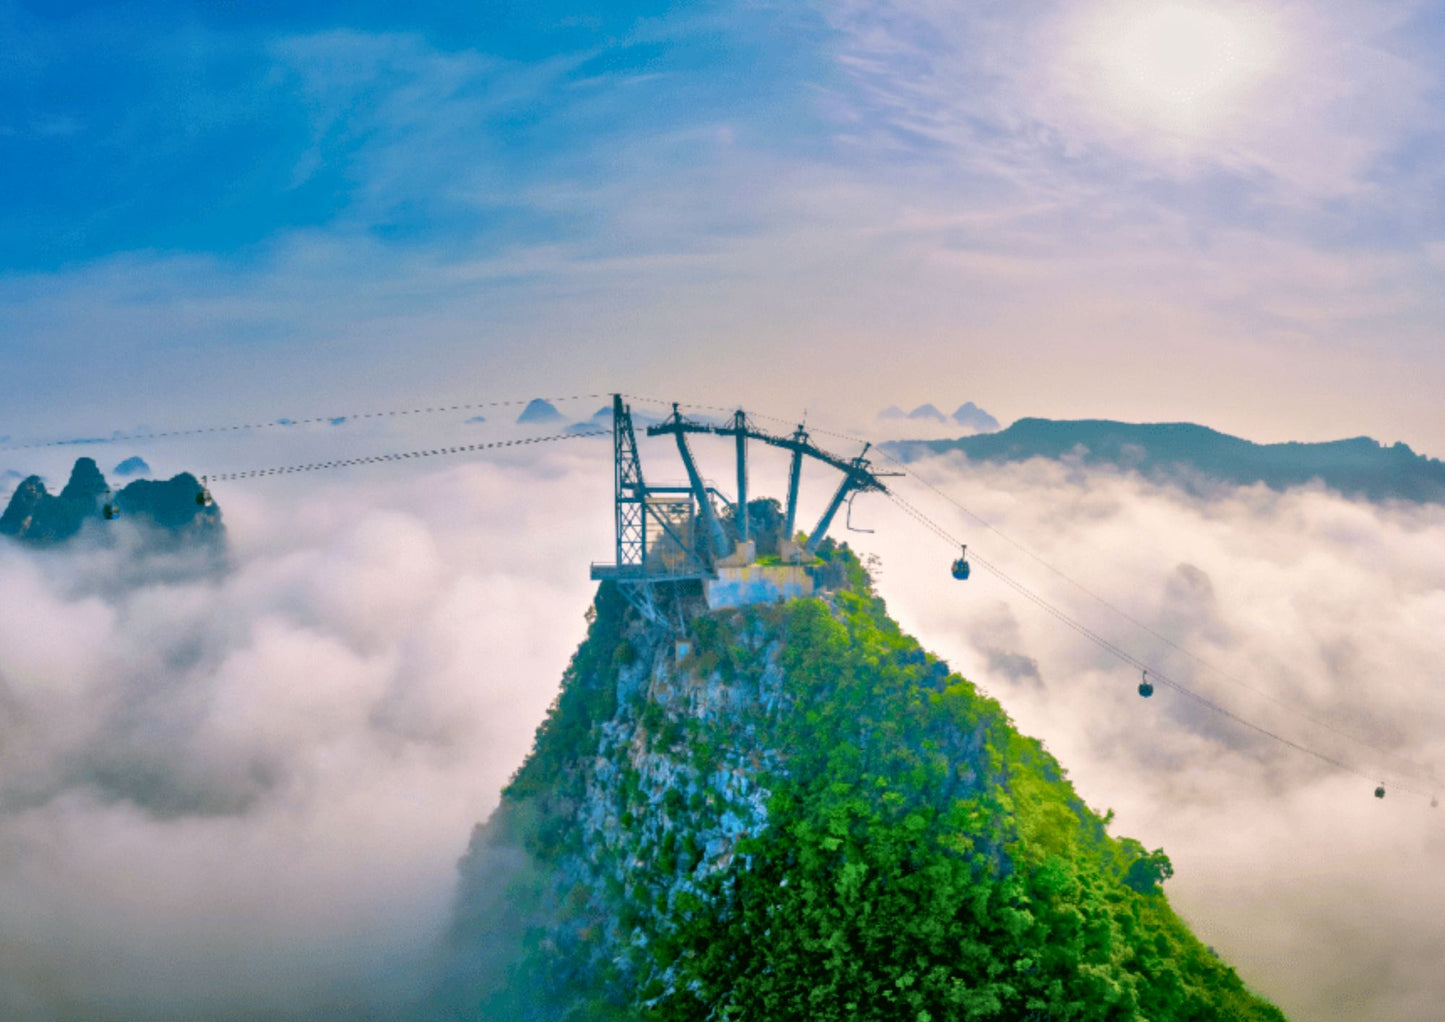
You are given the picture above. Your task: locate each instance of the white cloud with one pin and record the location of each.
(257, 786)
(1318, 96)
(1326, 899)
(244, 796)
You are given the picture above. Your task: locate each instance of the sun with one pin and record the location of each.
(1179, 66)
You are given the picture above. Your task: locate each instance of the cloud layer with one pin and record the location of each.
(243, 797)
(1318, 618)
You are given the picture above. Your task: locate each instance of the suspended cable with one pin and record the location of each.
(1399, 761)
(1202, 661)
(285, 423)
(372, 459)
(1134, 661)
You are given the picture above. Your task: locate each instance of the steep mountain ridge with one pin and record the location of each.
(167, 508)
(1193, 457)
(792, 811)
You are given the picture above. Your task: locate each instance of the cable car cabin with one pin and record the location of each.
(1146, 687)
(960, 566)
(111, 512)
(1380, 791)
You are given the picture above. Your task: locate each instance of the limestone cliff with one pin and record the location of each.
(791, 811)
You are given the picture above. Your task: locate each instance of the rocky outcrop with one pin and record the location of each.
(167, 511)
(792, 811)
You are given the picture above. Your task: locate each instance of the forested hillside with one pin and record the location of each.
(798, 813)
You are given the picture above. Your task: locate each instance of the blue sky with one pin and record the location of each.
(288, 209)
(218, 128)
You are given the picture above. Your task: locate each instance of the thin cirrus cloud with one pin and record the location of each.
(461, 186)
(1290, 239)
(220, 131)
(1298, 103)
(912, 188)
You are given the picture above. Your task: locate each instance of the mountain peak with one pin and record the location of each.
(132, 466)
(926, 416)
(86, 482)
(538, 410)
(927, 412)
(975, 418)
(783, 805)
(168, 509)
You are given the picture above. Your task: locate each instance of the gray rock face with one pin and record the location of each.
(649, 815)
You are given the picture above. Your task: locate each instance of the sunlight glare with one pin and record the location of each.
(1179, 66)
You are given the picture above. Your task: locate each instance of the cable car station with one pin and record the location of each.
(668, 534)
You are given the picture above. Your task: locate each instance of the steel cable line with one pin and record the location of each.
(1399, 761)
(371, 459)
(1139, 664)
(284, 423)
(1023, 590)
(1203, 662)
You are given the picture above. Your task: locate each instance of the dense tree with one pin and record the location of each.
(916, 858)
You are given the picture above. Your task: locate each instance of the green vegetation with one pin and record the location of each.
(862, 835)
(897, 882)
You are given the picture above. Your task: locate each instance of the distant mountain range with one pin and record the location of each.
(1193, 456)
(169, 508)
(968, 415)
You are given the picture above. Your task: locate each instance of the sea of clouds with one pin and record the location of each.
(243, 794)
(1313, 616)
